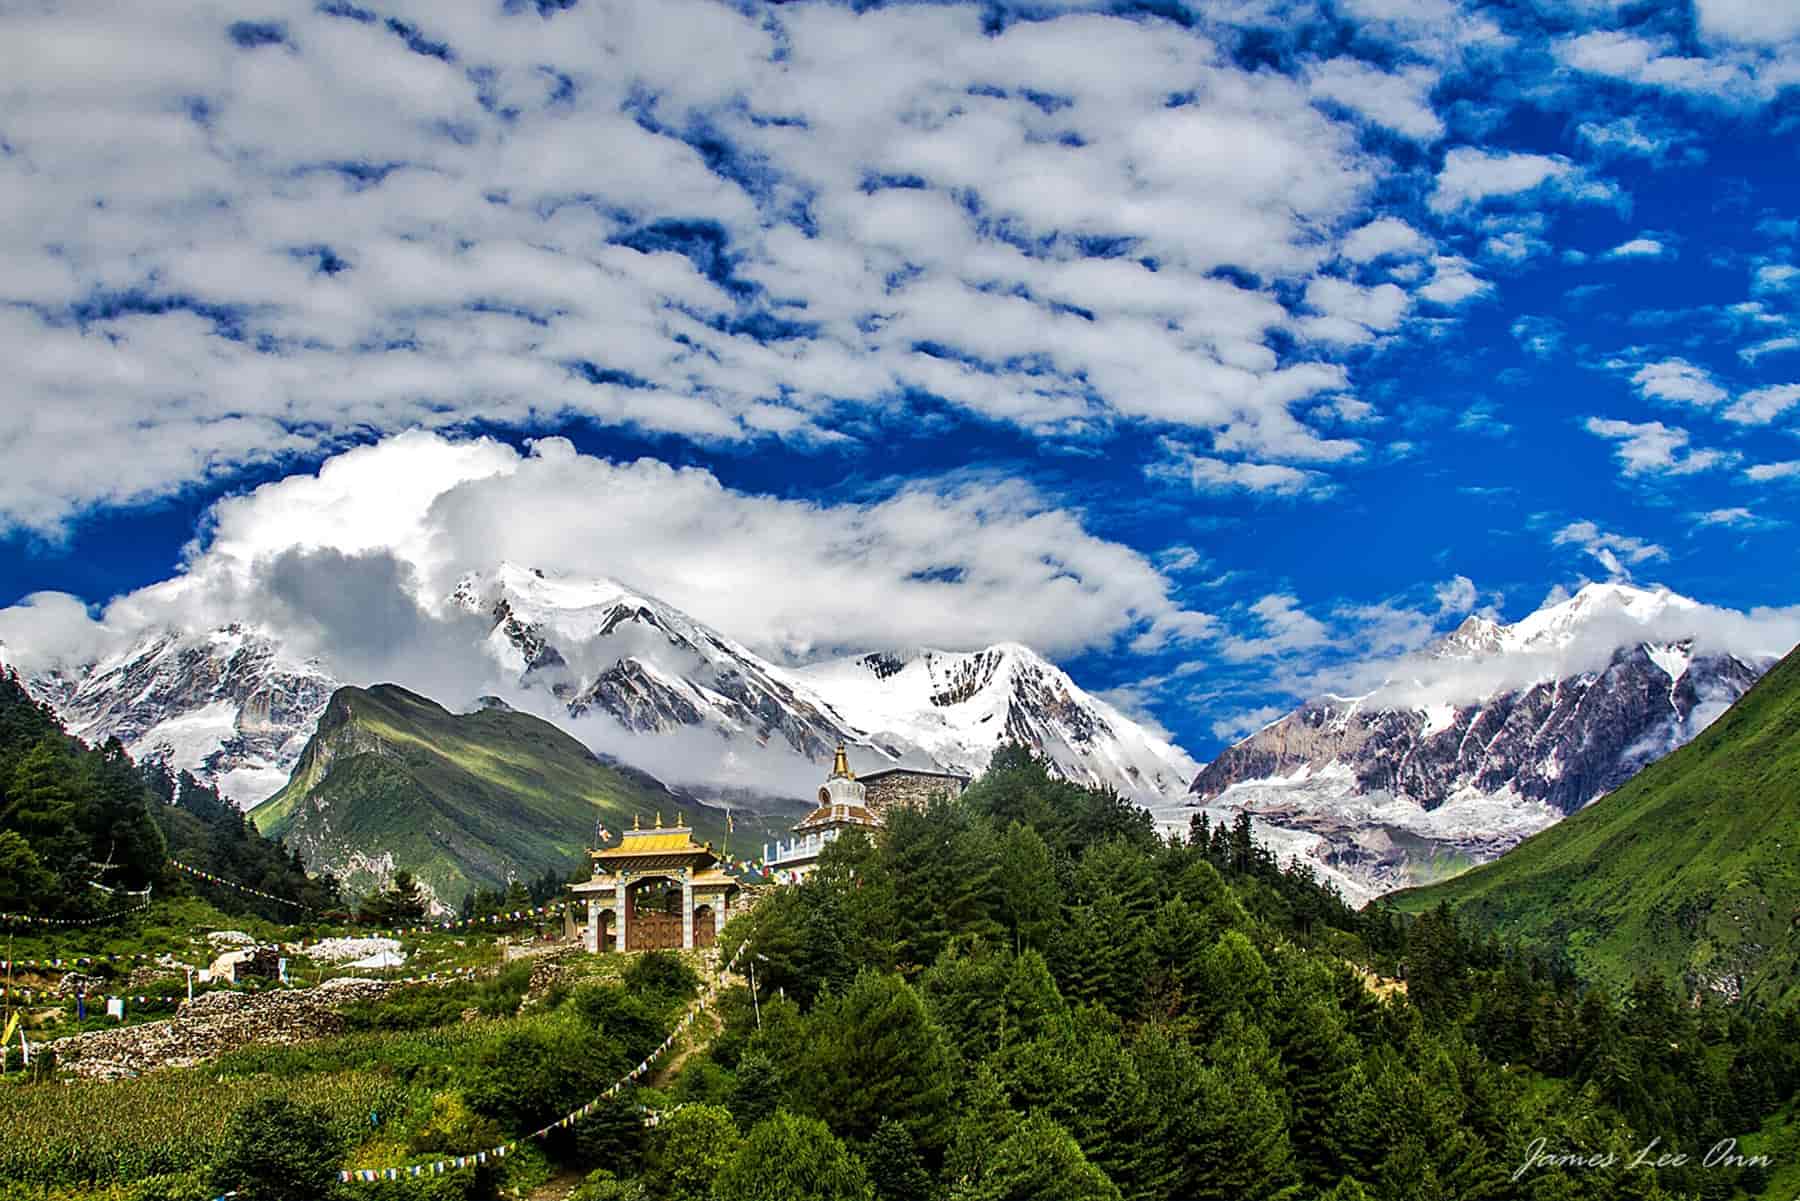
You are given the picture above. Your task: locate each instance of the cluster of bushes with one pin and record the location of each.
(428, 1072)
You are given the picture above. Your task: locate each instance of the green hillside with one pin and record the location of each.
(392, 780)
(1690, 870)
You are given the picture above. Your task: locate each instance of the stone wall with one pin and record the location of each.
(209, 1026)
(908, 788)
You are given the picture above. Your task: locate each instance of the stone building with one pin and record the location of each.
(846, 802)
(888, 787)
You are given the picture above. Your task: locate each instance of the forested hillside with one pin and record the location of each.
(1688, 870)
(1025, 994)
(84, 831)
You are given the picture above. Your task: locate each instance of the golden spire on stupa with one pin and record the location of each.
(841, 765)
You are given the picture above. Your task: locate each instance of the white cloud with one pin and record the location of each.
(1179, 559)
(1455, 595)
(1284, 628)
(1612, 551)
(1762, 473)
(1399, 100)
(1181, 463)
(1452, 282)
(1471, 176)
(1239, 725)
(1679, 381)
(1764, 22)
(1382, 237)
(1514, 246)
(1352, 314)
(1621, 55)
(1541, 336)
(1634, 136)
(1775, 277)
(1780, 345)
(1652, 448)
(1640, 247)
(305, 243)
(1734, 518)
(958, 563)
(1763, 405)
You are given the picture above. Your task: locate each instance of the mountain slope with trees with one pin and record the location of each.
(84, 828)
(394, 781)
(1688, 871)
(1024, 993)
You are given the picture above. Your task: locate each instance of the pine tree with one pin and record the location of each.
(1039, 1162)
(983, 1121)
(895, 1169)
(1027, 886)
(757, 1090)
(792, 1158)
(875, 1053)
(1434, 964)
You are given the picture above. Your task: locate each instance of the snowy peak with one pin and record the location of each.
(957, 707)
(1605, 611)
(1520, 725)
(228, 704)
(235, 707)
(1596, 608)
(1476, 636)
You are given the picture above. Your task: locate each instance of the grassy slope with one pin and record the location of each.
(1692, 866)
(463, 800)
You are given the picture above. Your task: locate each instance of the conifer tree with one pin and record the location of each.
(895, 1170)
(757, 1090)
(689, 1149)
(1039, 1162)
(792, 1158)
(875, 1053)
(1027, 886)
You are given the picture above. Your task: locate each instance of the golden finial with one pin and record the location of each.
(659, 819)
(678, 822)
(634, 822)
(841, 765)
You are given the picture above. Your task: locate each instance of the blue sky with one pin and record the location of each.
(1217, 349)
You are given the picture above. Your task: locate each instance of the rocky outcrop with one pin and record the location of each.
(211, 1025)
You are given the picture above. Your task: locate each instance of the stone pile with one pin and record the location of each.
(75, 982)
(340, 950)
(209, 1026)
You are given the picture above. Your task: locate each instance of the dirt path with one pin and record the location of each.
(558, 1187)
(699, 1037)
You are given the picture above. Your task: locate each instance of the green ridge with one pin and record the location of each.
(1690, 871)
(464, 801)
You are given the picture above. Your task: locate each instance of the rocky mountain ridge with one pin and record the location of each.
(1387, 794)
(234, 707)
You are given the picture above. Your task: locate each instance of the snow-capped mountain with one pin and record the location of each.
(1521, 725)
(228, 705)
(602, 647)
(957, 708)
(235, 708)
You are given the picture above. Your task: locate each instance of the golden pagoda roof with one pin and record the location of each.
(661, 841)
